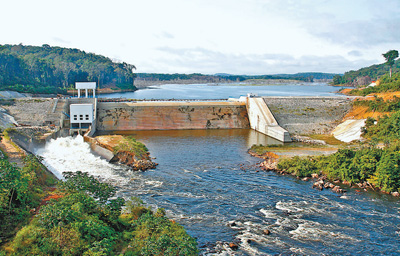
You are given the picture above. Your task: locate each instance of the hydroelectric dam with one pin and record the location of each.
(82, 115)
(272, 116)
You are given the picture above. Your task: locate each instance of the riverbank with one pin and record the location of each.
(338, 168)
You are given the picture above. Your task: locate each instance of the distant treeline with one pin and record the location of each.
(364, 76)
(308, 77)
(49, 69)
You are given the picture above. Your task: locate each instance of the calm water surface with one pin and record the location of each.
(206, 180)
(224, 91)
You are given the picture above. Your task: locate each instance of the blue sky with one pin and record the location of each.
(213, 36)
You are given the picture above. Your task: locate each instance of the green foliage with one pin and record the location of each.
(130, 144)
(388, 84)
(83, 182)
(349, 165)
(373, 72)
(378, 104)
(20, 191)
(54, 69)
(390, 56)
(387, 175)
(156, 235)
(298, 166)
(69, 226)
(387, 127)
(84, 220)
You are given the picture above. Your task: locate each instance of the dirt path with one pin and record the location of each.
(14, 154)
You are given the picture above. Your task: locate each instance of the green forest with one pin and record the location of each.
(47, 69)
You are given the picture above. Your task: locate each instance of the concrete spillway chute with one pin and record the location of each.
(262, 120)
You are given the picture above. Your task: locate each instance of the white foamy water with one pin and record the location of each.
(72, 154)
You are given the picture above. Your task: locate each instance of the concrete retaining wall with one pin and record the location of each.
(171, 116)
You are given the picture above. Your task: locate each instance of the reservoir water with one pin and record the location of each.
(208, 182)
(224, 91)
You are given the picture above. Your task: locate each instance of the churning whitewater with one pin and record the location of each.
(207, 182)
(72, 154)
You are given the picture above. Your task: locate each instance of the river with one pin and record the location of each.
(206, 181)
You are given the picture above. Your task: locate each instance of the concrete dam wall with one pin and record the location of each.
(112, 116)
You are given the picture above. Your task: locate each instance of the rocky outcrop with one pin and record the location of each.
(130, 159)
(307, 140)
(270, 160)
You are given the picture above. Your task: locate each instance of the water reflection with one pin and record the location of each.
(250, 136)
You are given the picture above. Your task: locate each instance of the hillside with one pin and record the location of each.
(365, 75)
(46, 69)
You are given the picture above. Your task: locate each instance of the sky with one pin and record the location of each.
(213, 36)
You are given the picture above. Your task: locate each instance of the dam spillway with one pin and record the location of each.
(120, 116)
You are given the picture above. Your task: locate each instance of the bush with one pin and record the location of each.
(387, 127)
(130, 144)
(159, 236)
(79, 224)
(20, 191)
(298, 166)
(387, 175)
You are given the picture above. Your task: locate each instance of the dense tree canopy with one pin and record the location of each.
(54, 69)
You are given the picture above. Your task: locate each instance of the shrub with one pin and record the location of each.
(299, 166)
(387, 175)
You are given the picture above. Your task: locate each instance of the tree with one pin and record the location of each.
(390, 57)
